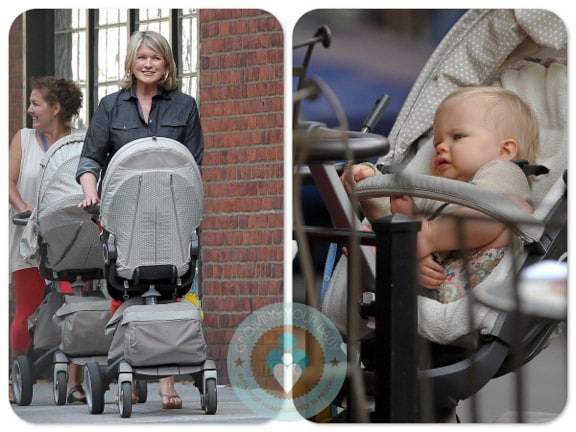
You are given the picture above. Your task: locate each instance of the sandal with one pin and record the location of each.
(171, 401)
(74, 400)
(11, 393)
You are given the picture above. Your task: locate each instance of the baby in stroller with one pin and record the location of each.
(478, 133)
(534, 67)
(537, 64)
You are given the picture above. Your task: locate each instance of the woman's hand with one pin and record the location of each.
(89, 201)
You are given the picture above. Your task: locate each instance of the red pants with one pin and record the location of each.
(29, 288)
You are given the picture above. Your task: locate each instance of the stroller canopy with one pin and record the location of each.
(474, 52)
(60, 237)
(58, 185)
(151, 201)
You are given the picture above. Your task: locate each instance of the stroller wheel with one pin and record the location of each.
(125, 399)
(94, 387)
(209, 397)
(59, 387)
(22, 380)
(141, 391)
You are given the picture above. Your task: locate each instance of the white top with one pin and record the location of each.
(32, 154)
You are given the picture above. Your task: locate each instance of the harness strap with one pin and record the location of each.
(531, 170)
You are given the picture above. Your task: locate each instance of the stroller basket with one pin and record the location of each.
(148, 337)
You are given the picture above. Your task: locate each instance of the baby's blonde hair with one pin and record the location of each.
(508, 114)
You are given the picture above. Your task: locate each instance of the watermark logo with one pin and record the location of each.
(286, 361)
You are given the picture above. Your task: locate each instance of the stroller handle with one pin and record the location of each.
(376, 114)
(321, 143)
(93, 211)
(21, 219)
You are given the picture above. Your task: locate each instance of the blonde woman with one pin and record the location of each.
(148, 104)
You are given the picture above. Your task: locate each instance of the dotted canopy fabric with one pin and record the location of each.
(71, 237)
(474, 52)
(151, 201)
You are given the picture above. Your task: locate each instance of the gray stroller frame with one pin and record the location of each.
(535, 47)
(150, 213)
(64, 242)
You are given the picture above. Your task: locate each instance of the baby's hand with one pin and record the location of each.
(430, 273)
(355, 174)
(403, 204)
(365, 229)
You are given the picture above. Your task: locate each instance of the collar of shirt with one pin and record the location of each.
(130, 93)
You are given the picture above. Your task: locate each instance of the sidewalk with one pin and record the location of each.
(545, 381)
(43, 410)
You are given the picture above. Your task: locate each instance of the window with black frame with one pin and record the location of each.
(90, 47)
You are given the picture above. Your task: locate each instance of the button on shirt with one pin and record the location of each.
(118, 120)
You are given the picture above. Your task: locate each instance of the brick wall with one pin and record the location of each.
(241, 107)
(15, 99)
(17, 86)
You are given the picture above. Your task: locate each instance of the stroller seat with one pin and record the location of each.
(150, 213)
(60, 237)
(64, 243)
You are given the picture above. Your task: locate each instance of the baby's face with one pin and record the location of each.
(463, 141)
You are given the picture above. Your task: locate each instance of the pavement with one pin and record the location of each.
(545, 390)
(43, 411)
(542, 397)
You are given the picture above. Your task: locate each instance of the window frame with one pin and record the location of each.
(41, 36)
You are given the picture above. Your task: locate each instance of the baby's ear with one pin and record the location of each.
(509, 149)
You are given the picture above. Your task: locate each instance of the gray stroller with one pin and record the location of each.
(150, 213)
(64, 242)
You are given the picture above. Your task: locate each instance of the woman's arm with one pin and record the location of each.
(194, 139)
(89, 182)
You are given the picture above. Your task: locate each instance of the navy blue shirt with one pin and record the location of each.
(118, 120)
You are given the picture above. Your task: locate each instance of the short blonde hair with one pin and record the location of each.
(157, 43)
(508, 114)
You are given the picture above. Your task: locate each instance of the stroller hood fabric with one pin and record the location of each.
(70, 236)
(151, 202)
(474, 52)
